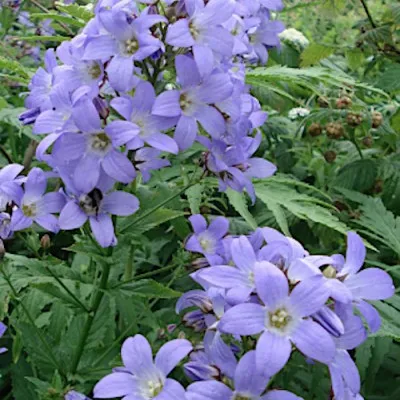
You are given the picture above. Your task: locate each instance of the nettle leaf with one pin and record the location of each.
(16, 68)
(281, 198)
(22, 388)
(74, 10)
(315, 53)
(239, 203)
(149, 288)
(375, 220)
(359, 175)
(389, 79)
(390, 315)
(59, 18)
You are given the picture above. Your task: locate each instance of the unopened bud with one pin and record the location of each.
(343, 102)
(171, 328)
(323, 102)
(315, 129)
(378, 186)
(182, 335)
(377, 119)
(2, 250)
(101, 107)
(354, 119)
(45, 242)
(330, 156)
(334, 130)
(368, 141)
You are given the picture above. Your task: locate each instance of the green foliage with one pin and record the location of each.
(315, 53)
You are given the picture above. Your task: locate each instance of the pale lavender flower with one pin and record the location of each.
(203, 32)
(127, 39)
(207, 240)
(97, 207)
(3, 329)
(194, 102)
(142, 378)
(148, 159)
(283, 319)
(36, 206)
(5, 225)
(249, 383)
(141, 126)
(10, 185)
(73, 395)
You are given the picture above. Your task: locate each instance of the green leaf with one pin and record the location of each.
(22, 389)
(359, 175)
(238, 202)
(194, 195)
(38, 38)
(278, 197)
(137, 224)
(389, 79)
(390, 316)
(315, 53)
(75, 10)
(377, 222)
(150, 289)
(355, 58)
(15, 67)
(59, 18)
(363, 357)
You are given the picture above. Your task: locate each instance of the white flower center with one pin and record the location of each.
(99, 143)
(279, 321)
(29, 210)
(131, 46)
(330, 272)
(206, 243)
(152, 388)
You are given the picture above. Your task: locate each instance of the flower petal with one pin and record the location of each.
(117, 384)
(120, 203)
(171, 354)
(224, 276)
(271, 283)
(208, 390)
(272, 353)
(314, 341)
(179, 34)
(243, 254)
(243, 319)
(117, 166)
(103, 230)
(71, 216)
(355, 254)
(185, 132)
(137, 355)
(167, 104)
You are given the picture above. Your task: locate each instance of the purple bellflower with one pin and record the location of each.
(207, 240)
(97, 207)
(238, 280)
(142, 378)
(36, 206)
(72, 395)
(194, 102)
(141, 126)
(249, 384)
(127, 39)
(3, 329)
(10, 185)
(283, 319)
(92, 152)
(203, 32)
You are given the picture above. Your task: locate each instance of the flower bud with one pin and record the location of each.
(377, 119)
(2, 250)
(323, 102)
(45, 242)
(343, 102)
(101, 107)
(354, 119)
(315, 129)
(334, 130)
(330, 156)
(368, 141)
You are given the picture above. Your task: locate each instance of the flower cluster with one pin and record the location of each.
(139, 82)
(263, 297)
(294, 38)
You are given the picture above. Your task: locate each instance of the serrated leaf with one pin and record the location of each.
(377, 222)
(363, 357)
(39, 38)
(389, 79)
(314, 54)
(278, 195)
(75, 10)
(149, 288)
(59, 18)
(194, 195)
(238, 202)
(359, 175)
(15, 67)
(355, 58)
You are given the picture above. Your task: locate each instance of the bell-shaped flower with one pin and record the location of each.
(249, 384)
(194, 102)
(203, 31)
(142, 378)
(207, 240)
(10, 185)
(141, 126)
(282, 319)
(127, 39)
(36, 206)
(92, 152)
(97, 207)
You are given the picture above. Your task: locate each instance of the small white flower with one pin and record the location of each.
(294, 38)
(298, 112)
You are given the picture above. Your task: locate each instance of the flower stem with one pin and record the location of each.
(94, 308)
(366, 9)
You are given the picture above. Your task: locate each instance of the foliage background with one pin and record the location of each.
(325, 187)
